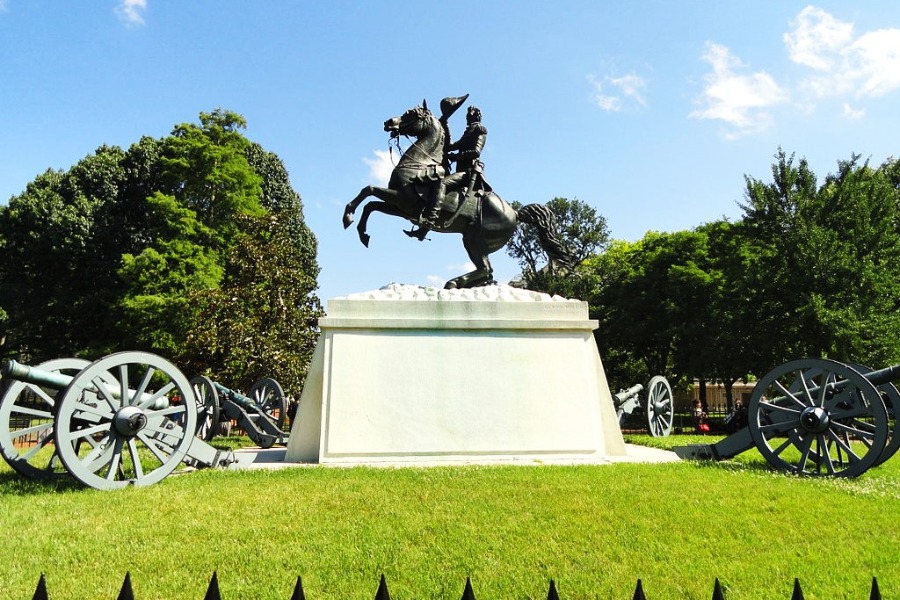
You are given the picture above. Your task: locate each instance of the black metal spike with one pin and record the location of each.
(639, 592)
(468, 594)
(876, 593)
(212, 592)
(717, 591)
(126, 593)
(382, 593)
(551, 593)
(798, 593)
(40, 592)
(298, 590)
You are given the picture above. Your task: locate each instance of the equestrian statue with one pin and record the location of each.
(423, 191)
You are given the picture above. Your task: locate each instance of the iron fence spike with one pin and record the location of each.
(382, 593)
(551, 593)
(875, 593)
(639, 591)
(798, 593)
(468, 594)
(298, 590)
(717, 591)
(40, 592)
(212, 592)
(126, 593)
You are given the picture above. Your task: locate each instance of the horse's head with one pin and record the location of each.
(414, 122)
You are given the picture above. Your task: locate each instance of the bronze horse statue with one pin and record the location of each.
(485, 220)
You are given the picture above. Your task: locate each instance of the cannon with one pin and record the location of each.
(130, 418)
(261, 413)
(658, 407)
(817, 417)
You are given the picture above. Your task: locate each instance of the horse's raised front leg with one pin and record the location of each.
(382, 207)
(370, 190)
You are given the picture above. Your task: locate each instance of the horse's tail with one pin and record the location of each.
(544, 221)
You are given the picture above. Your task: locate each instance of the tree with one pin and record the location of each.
(57, 273)
(823, 279)
(126, 249)
(583, 232)
(262, 321)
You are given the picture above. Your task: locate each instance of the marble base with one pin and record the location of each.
(410, 374)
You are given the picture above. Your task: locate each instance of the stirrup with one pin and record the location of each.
(418, 234)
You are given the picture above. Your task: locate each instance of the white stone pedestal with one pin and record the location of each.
(420, 375)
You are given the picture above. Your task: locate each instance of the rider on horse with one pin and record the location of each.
(466, 153)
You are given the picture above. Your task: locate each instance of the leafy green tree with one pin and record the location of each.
(162, 277)
(262, 321)
(823, 279)
(54, 267)
(126, 249)
(583, 232)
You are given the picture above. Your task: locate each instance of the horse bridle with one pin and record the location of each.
(421, 116)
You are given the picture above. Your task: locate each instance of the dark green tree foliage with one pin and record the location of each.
(55, 266)
(652, 299)
(824, 274)
(124, 249)
(583, 231)
(264, 314)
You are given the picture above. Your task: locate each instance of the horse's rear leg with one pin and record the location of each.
(478, 254)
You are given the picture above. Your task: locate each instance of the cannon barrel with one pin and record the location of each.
(876, 378)
(12, 369)
(236, 397)
(629, 393)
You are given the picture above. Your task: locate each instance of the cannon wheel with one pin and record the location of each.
(840, 435)
(660, 407)
(34, 407)
(268, 395)
(147, 419)
(891, 397)
(208, 409)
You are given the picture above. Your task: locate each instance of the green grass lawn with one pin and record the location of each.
(593, 529)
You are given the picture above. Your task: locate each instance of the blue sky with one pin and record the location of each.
(651, 111)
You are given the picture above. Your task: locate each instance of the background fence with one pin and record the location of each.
(382, 593)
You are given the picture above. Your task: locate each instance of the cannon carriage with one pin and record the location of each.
(130, 418)
(817, 417)
(658, 407)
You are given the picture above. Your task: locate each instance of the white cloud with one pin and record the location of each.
(3, 4)
(740, 100)
(864, 66)
(852, 113)
(380, 167)
(873, 60)
(130, 11)
(817, 38)
(629, 87)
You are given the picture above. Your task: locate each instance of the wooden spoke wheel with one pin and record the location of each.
(268, 395)
(138, 430)
(660, 407)
(208, 409)
(27, 413)
(891, 397)
(818, 417)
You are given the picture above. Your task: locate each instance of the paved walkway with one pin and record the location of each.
(273, 458)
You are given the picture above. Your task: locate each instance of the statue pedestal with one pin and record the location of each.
(420, 375)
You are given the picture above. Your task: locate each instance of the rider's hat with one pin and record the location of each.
(450, 105)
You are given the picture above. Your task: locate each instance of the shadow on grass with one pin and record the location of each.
(735, 466)
(14, 484)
